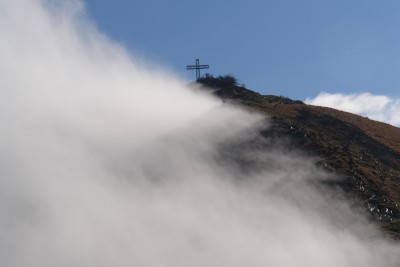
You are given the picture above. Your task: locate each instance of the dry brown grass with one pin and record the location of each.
(383, 133)
(364, 152)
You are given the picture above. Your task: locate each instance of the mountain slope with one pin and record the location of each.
(365, 153)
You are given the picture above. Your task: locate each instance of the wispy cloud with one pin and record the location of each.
(377, 107)
(106, 163)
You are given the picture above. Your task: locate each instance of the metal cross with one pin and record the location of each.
(197, 67)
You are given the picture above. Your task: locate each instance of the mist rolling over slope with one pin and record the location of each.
(107, 163)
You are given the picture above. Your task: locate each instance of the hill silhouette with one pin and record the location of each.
(363, 152)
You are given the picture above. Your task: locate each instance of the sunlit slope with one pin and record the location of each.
(363, 152)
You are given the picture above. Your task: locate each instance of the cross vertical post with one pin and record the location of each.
(197, 67)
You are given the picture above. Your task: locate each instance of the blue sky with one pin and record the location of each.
(283, 47)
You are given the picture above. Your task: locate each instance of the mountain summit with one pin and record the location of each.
(365, 154)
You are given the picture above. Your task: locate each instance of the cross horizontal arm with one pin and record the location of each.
(195, 67)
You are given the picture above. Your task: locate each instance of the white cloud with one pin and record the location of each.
(105, 163)
(377, 107)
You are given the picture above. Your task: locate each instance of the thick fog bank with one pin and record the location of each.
(104, 162)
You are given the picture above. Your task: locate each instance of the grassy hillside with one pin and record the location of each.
(364, 152)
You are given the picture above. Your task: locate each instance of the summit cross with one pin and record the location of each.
(197, 67)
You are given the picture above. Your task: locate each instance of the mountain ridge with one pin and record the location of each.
(364, 152)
